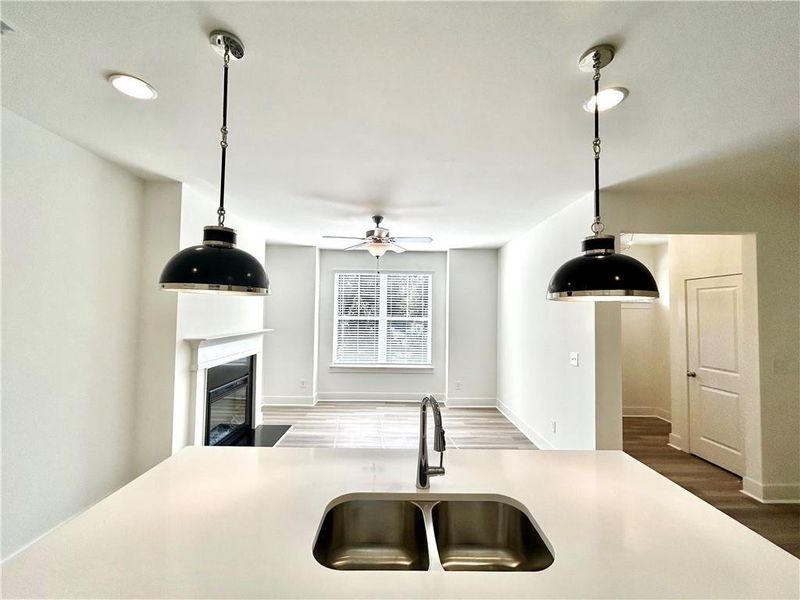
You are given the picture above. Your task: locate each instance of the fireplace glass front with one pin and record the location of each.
(229, 402)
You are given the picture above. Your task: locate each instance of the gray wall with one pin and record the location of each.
(292, 311)
(346, 383)
(300, 309)
(472, 328)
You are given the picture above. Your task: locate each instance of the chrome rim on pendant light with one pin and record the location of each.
(600, 274)
(217, 266)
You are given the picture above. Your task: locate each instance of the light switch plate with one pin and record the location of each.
(573, 359)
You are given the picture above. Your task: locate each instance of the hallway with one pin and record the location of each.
(645, 438)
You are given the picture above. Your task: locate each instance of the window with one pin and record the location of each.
(382, 318)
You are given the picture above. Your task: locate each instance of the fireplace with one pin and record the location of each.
(229, 403)
(240, 352)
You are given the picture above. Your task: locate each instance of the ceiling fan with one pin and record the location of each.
(378, 241)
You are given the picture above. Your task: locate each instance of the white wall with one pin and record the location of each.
(358, 384)
(646, 342)
(202, 314)
(70, 269)
(160, 240)
(292, 310)
(472, 328)
(536, 383)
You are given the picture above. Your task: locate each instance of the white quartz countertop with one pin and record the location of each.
(241, 523)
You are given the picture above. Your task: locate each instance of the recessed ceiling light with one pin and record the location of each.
(133, 86)
(609, 98)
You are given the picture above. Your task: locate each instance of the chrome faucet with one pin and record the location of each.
(424, 472)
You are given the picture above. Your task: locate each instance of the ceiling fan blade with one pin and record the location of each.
(341, 237)
(414, 240)
(357, 246)
(396, 248)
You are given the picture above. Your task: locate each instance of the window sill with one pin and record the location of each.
(415, 369)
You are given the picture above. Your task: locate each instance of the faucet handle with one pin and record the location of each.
(439, 444)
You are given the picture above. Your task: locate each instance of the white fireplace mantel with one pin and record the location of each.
(217, 349)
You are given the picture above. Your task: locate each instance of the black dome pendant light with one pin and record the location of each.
(600, 274)
(217, 266)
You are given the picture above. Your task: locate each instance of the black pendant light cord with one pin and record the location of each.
(597, 225)
(224, 142)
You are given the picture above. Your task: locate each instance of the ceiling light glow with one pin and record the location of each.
(132, 86)
(377, 249)
(608, 98)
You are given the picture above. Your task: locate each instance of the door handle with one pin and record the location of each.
(691, 374)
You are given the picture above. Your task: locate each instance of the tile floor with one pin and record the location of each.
(390, 425)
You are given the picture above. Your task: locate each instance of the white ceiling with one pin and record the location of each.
(462, 121)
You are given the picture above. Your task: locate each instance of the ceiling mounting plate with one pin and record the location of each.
(605, 53)
(219, 38)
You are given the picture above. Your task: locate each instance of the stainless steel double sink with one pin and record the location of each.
(459, 533)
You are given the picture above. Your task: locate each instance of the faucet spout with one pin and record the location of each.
(424, 471)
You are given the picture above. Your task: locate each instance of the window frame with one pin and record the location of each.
(383, 320)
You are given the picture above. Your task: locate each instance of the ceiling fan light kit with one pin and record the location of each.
(217, 266)
(600, 274)
(378, 249)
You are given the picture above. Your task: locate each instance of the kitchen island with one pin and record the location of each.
(241, 523)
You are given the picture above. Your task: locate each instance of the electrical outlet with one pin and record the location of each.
(458, 384)
(553, 423)
(573, 359)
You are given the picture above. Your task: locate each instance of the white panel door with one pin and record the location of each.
(716, 385)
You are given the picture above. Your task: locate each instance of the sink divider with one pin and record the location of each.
(426, 506)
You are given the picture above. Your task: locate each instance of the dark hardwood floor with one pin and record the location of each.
(645, 438)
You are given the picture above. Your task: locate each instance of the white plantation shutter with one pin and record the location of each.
(382, 318)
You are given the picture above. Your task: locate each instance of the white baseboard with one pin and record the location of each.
(471, 402)
(529, 432)
(676, 442)
(646, 411)
(373, 397)
(377, 396)
(287, 401)
(771, 493)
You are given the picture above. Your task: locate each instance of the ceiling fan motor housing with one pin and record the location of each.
(379, 233)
